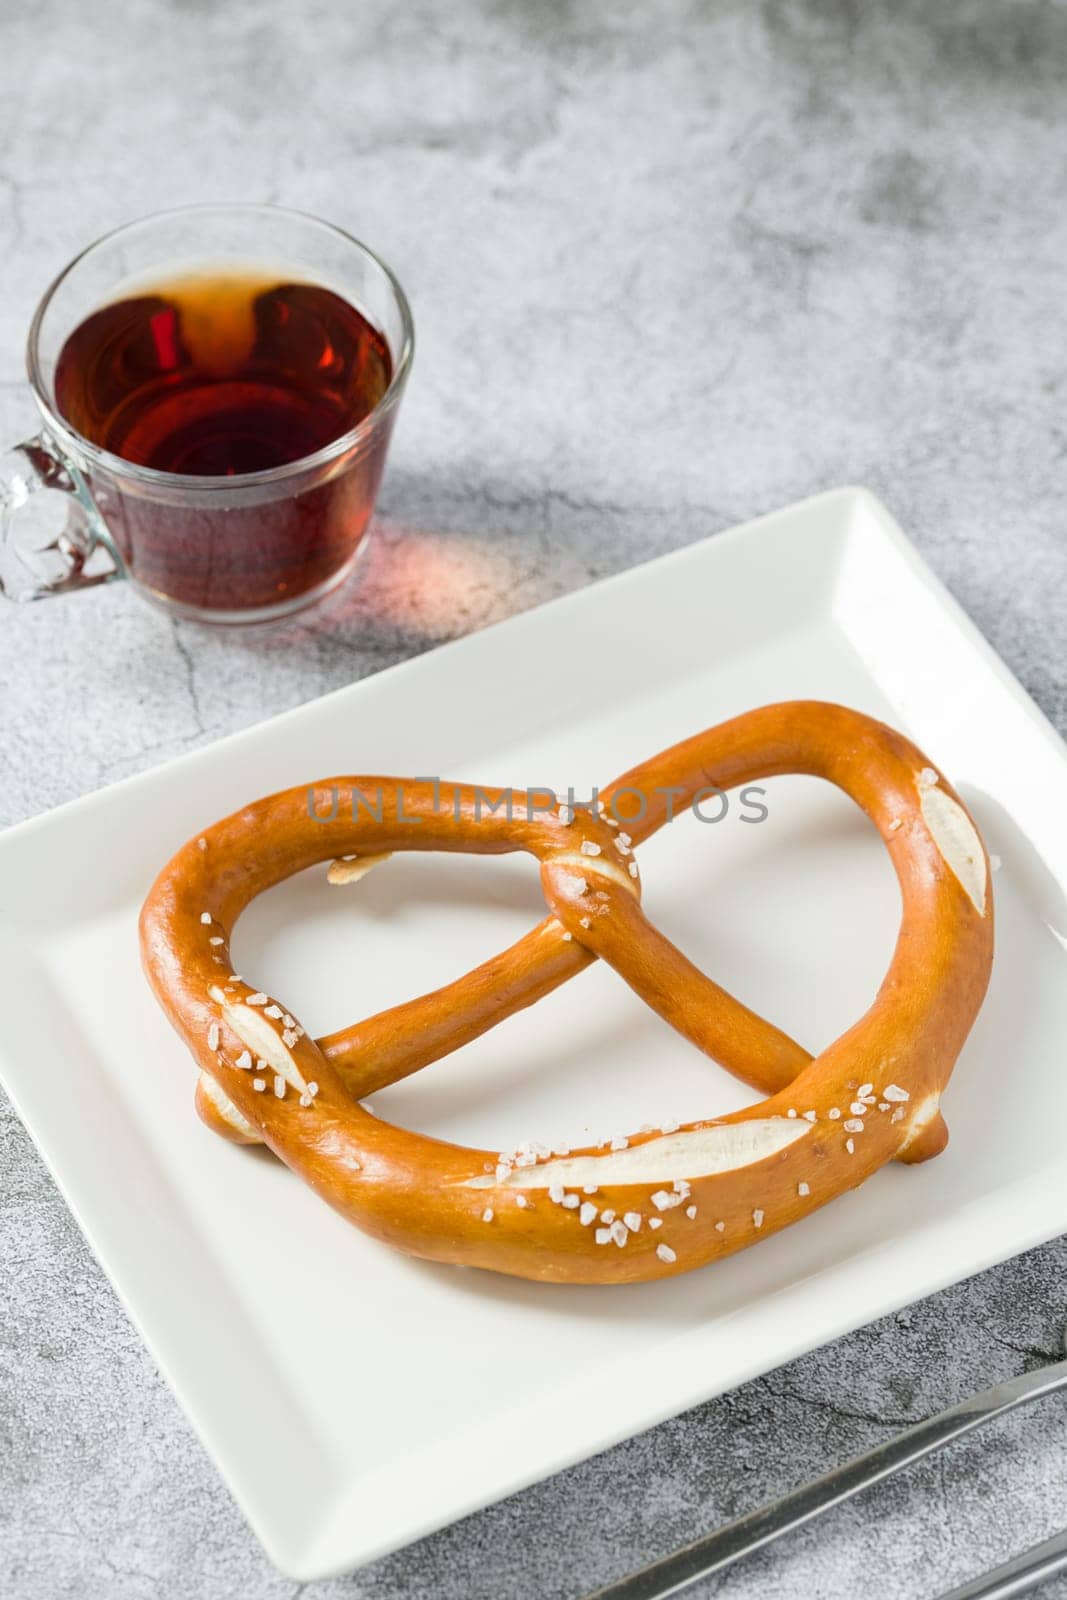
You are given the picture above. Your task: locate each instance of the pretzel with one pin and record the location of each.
(660, 1201)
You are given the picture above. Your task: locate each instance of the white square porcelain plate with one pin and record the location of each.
(354, 1399)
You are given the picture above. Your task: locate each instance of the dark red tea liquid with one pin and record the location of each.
(214, 377)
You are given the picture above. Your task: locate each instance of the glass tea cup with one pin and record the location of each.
(188, 483)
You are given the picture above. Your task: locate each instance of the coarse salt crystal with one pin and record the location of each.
(665, 1253)
(803, 1189)
(927, 778)
(202, 843)
(555, 1193)
(607, 1216)
(858, 1108)
(259, 1084)
(587, 1213)
(244, 1060)
(589, 1188)
(588, 848)
(757, 1218)
(213, 1036)
(620, 1233)
(584, 921)
(632, 1220)
(850, 1146)
(792, 1111)
(893, 1091)
(313, 1089)
(521, 1201)
(833, 1113)
(279, 1086)
(305, 1100)
(275, 1012)
(811, 1116)
(691, 1212)
(603, 1236)
(897, 1114)
(619, 1143)
(570, 1202)
(864, 1090)
(216, 939)
(567, 937)
(853, 1124)
(895, 824)
(487, 1214)
(257, 999)
(720, 1227)
(633, 869)
(655, 1222)
(205, 918)
(288, 1038)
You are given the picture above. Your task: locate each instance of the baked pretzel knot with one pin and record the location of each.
(664, 1200)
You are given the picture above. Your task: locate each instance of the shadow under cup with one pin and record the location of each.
(235, 546)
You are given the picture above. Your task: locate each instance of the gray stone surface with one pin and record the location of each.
(672, 265)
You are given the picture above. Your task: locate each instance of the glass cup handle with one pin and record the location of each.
(52, 537)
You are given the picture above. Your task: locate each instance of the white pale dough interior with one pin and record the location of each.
(257, 1033)
(921, 1117)
(226, 1108)
(693, 1153)
(954, 834)
(594, 866)
(343, 871)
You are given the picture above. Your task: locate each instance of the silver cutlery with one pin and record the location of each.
(720, 1549)
(1019, 1575)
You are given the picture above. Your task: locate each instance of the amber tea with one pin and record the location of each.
(220, 375)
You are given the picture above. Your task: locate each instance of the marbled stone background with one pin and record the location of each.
(672, 265)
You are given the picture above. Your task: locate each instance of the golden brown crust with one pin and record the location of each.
(689, 1196)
